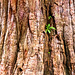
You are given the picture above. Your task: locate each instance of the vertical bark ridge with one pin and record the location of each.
(68, 33)
(22, 14)
(3, 24)
(71, 7)
(22, 26)
(57, 13)
(33, 26)
(63, 21)
(10, 45)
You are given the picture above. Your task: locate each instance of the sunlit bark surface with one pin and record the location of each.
(24, 44)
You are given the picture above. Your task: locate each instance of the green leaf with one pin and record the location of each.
(46, 30)
(49, 52)
(48, 25)
(49, 31)
(49, 17)
(49, 28)
(52, 28)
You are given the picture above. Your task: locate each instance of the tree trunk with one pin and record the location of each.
(24, 44)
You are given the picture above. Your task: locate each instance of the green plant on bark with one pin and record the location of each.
(48, 28)
(48, 52)
(49, 17)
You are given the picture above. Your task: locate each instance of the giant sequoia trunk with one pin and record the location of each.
(24, 44)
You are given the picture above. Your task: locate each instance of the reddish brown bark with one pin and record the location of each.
(24, 44)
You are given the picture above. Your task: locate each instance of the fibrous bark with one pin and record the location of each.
(24, 44)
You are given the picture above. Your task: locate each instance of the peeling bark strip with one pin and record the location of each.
(24, 45)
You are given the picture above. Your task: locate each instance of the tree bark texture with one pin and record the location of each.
(24, 44)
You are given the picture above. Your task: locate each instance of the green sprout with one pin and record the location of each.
(49, 17)
(48, 28)
(48, 52)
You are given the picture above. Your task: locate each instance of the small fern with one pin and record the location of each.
(48, 28)
(48, 52)
(49, 17)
